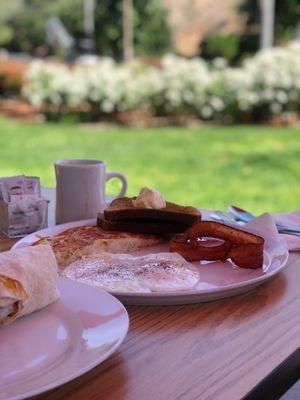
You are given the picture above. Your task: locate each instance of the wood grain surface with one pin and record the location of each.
(210, 351)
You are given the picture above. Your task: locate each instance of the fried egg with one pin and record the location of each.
(161, 272)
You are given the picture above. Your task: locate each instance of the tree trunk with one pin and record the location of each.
(267, 9)
(128, 50)
(89, 19)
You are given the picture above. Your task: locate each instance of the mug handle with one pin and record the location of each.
(110, 175)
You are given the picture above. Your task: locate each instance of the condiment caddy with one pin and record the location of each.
(22, 208)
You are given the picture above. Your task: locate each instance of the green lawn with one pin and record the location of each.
(210, 167)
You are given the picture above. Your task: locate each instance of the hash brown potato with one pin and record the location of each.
(74, 243)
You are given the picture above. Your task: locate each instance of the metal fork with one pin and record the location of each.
(224, 217)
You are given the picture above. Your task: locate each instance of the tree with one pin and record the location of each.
(287, 15)
(151, 32)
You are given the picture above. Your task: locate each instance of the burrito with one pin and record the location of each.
(28, 281)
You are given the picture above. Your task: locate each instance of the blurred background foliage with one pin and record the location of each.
(224, 46)
(201, 159)
(237, 46)
(287, 17)
(22, 25)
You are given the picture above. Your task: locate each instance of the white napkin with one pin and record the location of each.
(292, 220)
(275, 247)
(265, 224)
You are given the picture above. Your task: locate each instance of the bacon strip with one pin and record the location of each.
(243, 248)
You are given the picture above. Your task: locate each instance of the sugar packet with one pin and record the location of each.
(13, 188)
(32, 186)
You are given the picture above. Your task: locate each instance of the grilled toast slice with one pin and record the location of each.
(145, 226)
(123, 209)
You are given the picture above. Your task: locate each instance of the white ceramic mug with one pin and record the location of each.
(80, 188)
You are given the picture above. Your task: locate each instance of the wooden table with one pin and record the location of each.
(244, 347)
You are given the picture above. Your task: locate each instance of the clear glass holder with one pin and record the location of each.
(15, 223)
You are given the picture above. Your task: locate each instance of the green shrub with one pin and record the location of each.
(221, 46)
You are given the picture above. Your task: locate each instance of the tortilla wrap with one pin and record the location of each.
(28, 281)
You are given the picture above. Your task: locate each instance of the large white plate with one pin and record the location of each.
(60, 342)
(217, 279)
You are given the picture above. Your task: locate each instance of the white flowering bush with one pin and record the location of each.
(111, 87)
(53, 84)
(266, 84)
(262, 86)
(182, 87)
(106, 86)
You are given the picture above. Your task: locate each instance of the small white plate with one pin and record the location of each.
(217, 279)
(54, 345)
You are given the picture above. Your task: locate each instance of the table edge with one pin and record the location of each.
(278, 381)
